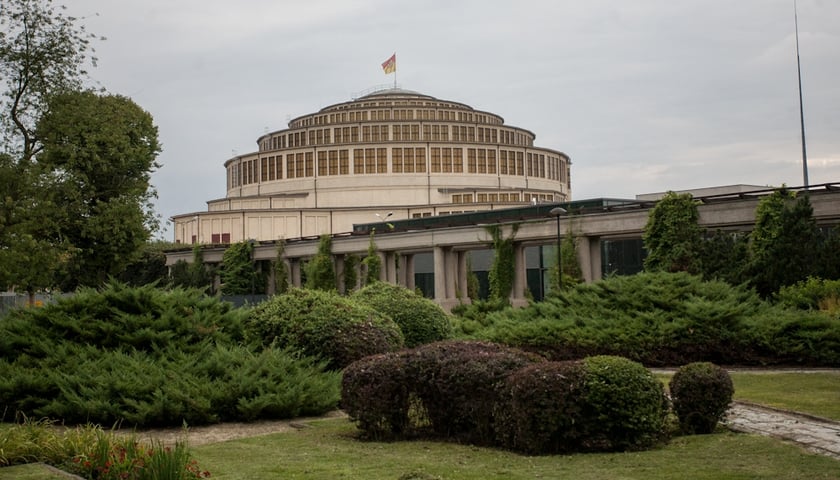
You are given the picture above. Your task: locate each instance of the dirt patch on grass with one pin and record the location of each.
(227, 431)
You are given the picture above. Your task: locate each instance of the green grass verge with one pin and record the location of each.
(813, 393)
(33, 471)
(329, 450)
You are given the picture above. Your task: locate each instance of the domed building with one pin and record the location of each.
(392, 153)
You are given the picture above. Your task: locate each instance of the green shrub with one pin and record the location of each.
(420, 319)
(701, 393)
(457, 383)
(663, 319)
(540, 408)
(624, 405)
(811, 294)
(444, 389)
(376, 393)
(322, 324)
(148, 357)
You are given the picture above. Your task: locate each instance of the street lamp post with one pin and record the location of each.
(557, 212)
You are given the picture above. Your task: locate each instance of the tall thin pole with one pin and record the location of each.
(801, 108)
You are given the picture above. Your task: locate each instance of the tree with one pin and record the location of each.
(193, 274)
(372, 263)
(569, 261)
(149, 267)
(724, 256)
(784, 246)
(100, 151)
(238, 273)
(672, 235)
(320, 271)
(502, 270)
(281, 269)
(42, 53)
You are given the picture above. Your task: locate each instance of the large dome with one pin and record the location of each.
(390, 150)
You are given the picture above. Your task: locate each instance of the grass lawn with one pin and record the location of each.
(815, 393)
(329, 450)
(30, 472)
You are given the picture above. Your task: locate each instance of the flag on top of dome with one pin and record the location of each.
(390, 65)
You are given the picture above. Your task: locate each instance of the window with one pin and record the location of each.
(310, 165)
(471, 161)
(381, 160)
(343, 162)
(420, 160)
(358, 161)
(436, 160)
(491, 161)
(457, 160)
(333, 165)
(322, 164)
(397, 160)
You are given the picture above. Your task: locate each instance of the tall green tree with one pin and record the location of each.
(100, 151)
(281, 269)
(320, 270)
(672, 234)
(784, 247)
(372, 263)
(502, 270)
(43, 52)
(238, 272)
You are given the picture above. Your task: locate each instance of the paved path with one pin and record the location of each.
(815, 434)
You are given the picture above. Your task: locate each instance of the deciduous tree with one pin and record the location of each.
(672, 234)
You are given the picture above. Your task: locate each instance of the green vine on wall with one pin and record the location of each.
(503, 270)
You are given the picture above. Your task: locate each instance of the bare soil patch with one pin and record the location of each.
(223, 432)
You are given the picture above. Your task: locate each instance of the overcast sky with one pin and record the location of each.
(643, 95)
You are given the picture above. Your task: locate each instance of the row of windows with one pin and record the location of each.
(502, 197)
(402, 160)
(387, 114)
(396, 133)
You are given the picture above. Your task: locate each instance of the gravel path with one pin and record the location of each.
(816, 434)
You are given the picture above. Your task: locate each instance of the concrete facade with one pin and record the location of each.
(450, 245)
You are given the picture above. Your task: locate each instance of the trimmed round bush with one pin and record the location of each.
(540, 408)
(624, 405)
(701, 393)
(420, 319)
(322, 324)
(444, 389)
(375, 394)
(457, 383)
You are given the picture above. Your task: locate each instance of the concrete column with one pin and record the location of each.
(383, 270)
(451, 267)
(339, 273)
(440, 274)
(595, 259)
(408, 271)
(517, 294)
(463, 294)
(294, 271)
(390, 267)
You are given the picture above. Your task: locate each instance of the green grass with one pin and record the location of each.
(813, 393)
(329, 450)
(33, 471)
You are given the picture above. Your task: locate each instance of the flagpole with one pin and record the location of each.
(801, 109)
(395, 70)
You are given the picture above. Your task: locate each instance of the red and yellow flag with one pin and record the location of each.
(390, 65)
